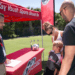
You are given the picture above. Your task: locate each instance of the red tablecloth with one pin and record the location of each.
(30, 62)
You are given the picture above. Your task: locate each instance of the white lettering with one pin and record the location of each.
(3, 7)
(37, 15)
(12, 9)
(32, 14)
(23, 12)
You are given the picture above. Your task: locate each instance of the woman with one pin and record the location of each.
(51, 30)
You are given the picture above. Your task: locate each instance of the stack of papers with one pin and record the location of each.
(13, 63)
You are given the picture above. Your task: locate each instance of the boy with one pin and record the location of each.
(53, 63)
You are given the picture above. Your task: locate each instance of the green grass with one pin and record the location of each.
(16, 44)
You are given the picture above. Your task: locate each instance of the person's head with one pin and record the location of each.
(57, 45)
(1, 21)
(48, 28)
(67, 10)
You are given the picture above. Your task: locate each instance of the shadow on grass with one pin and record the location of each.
(43, 67)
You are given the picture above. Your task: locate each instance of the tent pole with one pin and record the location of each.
(42, 39)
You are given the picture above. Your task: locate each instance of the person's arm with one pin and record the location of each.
(67, 61)
(69, 44)
(61, 33)
(52, 38)
(7, 61)
(55, 72)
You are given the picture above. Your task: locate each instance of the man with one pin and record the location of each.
(68, 63)
(2, 49)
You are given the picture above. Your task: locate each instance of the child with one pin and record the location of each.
(53, 63)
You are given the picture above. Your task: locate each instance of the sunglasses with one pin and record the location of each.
(50, 32)
(46, 28)
(62, 10)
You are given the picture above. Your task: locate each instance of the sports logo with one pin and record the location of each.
(30, 64)
(44, 2)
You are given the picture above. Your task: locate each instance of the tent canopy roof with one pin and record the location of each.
(16, 13)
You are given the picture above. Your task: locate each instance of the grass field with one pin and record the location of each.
(16, 44)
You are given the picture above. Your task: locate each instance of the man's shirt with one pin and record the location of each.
(69, 39)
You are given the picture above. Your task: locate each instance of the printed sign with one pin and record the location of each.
(31, 65)
(44, 2)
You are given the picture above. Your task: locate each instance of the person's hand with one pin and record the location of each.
(7, 61)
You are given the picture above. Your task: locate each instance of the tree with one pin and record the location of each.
(28, 7)
(22, 28)
(32, 8)
(59, 21)
(37, 9)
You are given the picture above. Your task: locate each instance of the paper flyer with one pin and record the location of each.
(13, 63)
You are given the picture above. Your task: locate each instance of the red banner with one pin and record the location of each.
(47, 11)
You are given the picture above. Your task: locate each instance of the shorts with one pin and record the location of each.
(47, 71)
(2, 69)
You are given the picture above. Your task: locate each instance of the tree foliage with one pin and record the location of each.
(59, 21)
(19, 29)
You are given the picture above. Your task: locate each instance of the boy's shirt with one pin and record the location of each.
(53, 58)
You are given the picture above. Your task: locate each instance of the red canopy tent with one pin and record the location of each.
(16, 13)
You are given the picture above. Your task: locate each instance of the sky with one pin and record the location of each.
(37, 3)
